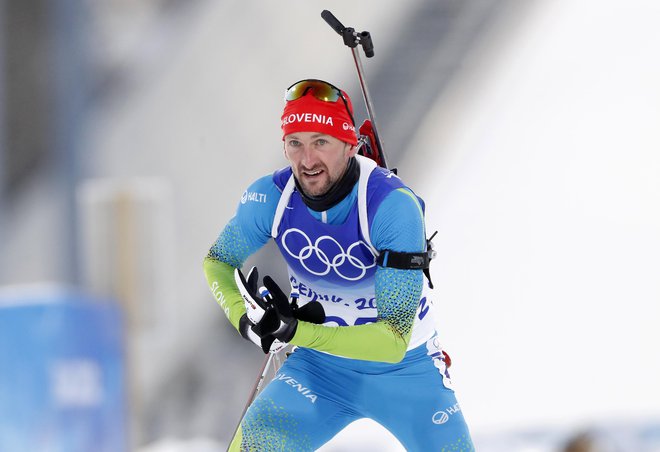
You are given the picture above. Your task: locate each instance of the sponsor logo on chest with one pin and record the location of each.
(253, 196)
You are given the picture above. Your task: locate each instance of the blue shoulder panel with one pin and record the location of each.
(396, 214)
(381, 183)
(250, 227)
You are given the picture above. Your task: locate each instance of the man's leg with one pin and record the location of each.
(418, 408)
(296, 411)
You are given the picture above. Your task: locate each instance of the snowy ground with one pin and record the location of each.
(368, 436)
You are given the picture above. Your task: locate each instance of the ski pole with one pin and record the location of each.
(352, 39)
(255, 390)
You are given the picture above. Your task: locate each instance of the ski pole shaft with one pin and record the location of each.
(352, 39)
(255, 390)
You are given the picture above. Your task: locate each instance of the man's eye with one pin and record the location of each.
(321, 142)
(294, 143)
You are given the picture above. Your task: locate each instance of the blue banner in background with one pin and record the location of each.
(62, 383)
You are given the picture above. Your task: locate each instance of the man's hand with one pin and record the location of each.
(259, 315)
(271, 317)
(288, 312)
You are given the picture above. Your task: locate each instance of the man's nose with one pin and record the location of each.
(309, 157)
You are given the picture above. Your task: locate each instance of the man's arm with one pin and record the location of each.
(220, 277)
(244, 235)
(385, 340)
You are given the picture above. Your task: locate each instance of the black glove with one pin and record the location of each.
(260, 315)
(289, 313)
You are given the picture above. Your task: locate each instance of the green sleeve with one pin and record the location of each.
(372, 342)
(386, 340)
(220, 277)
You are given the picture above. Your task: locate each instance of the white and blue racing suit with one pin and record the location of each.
(377, 354)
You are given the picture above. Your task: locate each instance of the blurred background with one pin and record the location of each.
(129, 131)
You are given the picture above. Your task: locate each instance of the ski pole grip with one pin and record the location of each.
(332, 21)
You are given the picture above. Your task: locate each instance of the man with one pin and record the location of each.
(364, 329)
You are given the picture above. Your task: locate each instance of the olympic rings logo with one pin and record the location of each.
(318, 258)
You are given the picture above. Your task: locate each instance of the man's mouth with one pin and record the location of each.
(312, 173)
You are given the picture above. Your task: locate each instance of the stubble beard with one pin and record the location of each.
(316, 189)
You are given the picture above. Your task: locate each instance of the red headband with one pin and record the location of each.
(309, 114)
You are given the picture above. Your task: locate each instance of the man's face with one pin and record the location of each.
(317, 160)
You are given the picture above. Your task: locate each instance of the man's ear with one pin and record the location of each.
(352, 151)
